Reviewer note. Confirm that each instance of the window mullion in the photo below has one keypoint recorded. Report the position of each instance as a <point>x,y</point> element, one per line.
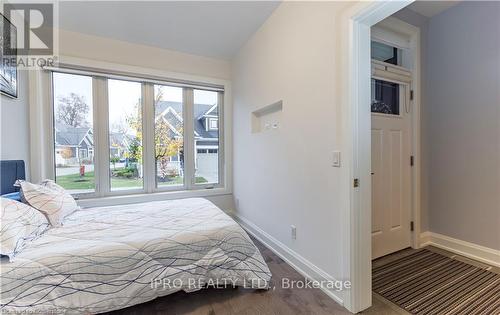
<point>148,123</point>
<point>101,135</point>
<point>189,165</point>
<point>221,147</point>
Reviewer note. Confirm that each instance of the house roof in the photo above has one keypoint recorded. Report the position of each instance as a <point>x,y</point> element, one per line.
<point>200,111</point>
<point>71,136</point>
<point>120,139</point>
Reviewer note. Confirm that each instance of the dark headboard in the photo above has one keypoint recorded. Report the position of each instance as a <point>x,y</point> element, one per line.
<point>10,171</point>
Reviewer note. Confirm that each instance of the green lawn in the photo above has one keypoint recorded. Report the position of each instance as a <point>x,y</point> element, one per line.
<point>75,182</point>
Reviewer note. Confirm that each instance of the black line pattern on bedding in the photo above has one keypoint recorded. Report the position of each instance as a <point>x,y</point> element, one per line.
<point>109,258</point>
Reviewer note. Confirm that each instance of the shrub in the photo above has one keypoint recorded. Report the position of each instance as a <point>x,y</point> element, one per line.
<point>128,172</point>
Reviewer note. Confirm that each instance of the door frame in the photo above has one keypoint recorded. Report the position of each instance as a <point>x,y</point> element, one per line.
<point>357,131</point>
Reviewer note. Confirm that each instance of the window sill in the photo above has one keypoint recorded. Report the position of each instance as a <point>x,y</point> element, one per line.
<point>156,196</point>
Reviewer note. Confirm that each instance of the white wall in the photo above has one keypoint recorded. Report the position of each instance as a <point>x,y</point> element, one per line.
<point>73,44</point>
<point>464,102</point>
<point>285,177</point>
<point>14,128</point>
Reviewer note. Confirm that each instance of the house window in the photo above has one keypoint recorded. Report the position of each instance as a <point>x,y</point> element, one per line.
<point>206,103</point>
<point>82,153</point>
<point>386,53</point>
<point>125,135</point>
<point>385,97</point>
<point>213,124</point>
<point>169,135</point>
<point>135,131</point>
<point>73,132</point>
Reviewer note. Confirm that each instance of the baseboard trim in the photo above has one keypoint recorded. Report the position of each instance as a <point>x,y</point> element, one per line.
<point>292,258</point>
<point>480,253</point>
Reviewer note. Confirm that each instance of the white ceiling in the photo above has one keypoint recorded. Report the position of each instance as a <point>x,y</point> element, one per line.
<point>212,29</point>
<point>431,8</point>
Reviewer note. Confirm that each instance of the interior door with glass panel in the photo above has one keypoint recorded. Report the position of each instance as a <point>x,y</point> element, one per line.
<point>391,173</point>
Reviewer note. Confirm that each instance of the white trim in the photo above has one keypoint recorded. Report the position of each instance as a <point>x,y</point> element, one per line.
<point>146,197</point>
<point>211,110</point>
<point>292,258</point>
<point>170,109</point>
<point>170,126</point>
<point>148,145</point>
<point>480,253</point>
<point>381,35</point>
<point>425,238</point>
<point>132,77</point>
<point>111,67</point>
<point>101,138</point>
<point>41,117</point>
<point>356,130</point>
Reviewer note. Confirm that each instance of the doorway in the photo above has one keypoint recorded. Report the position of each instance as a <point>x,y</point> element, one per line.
<point>359,131</point>
<point>391,137</point>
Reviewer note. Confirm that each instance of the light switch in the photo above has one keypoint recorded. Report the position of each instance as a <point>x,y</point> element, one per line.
<point>336,159</point>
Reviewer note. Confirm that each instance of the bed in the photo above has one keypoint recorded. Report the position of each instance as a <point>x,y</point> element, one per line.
<point>108,258</point>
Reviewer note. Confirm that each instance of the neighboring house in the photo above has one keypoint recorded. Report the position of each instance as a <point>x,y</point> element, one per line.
<point>74,145</point>
<point>119,144</point>
<point>206,135</point>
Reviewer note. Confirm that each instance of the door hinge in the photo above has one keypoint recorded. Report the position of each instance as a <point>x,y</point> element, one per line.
<point>412,160</point>
<point>356,182</point>
<point>411,95</point>
<point>411,226</point>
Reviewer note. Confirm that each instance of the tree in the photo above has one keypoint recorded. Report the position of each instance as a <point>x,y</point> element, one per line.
<point>66,153</point>
<point>135,150</point>
<point>72,110</point>
<point>167,143</point>
<point>135,123</point>
<point>114,160</point>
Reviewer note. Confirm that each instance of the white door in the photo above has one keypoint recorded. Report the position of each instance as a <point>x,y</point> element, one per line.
<point>391,169</point>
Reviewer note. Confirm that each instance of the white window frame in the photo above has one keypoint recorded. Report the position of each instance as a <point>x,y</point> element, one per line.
<point>41,81</point>
<point>211,122</point>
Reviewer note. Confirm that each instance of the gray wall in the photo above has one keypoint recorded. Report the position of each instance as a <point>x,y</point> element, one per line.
<point>14,130</point>
<point>463,97</point>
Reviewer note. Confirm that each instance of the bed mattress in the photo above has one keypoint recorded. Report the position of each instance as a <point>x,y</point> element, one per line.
<point>108,258</point>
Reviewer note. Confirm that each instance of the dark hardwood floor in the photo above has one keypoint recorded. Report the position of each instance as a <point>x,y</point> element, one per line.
<point>245,301</point>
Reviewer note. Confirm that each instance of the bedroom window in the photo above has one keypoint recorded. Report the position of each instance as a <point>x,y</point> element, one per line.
<point>125,135</point>
<point>73,132</point>
<point>119,135</point>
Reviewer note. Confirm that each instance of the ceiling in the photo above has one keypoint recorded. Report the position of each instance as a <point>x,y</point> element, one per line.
<point>212,29</point>
<point>431,8</point>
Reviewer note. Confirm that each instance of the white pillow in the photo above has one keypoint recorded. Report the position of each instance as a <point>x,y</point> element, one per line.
<point>49,183</point>
<point>20,224</point>
<point>50,199</point>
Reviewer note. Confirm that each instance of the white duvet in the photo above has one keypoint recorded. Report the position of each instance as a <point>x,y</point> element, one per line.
<point>109,258</point>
